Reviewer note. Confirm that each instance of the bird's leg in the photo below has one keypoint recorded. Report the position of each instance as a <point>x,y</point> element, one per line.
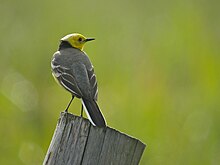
<point>81,111</point>
<point>66,110</point>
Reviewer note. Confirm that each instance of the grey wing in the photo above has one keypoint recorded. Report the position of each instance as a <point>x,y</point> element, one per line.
<point>86,80</point>
<point>93,83</point>
<point>66,78</point>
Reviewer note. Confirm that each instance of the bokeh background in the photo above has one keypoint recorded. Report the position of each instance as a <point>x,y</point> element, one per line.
<point>157,64</point>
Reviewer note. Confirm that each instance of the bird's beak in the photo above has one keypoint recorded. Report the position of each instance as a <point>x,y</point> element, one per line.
<point>89,39</point>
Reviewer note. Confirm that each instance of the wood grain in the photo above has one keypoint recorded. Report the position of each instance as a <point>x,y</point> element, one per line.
<point>77,142</point>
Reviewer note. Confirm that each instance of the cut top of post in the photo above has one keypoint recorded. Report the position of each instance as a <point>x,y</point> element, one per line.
<point>76,141</point>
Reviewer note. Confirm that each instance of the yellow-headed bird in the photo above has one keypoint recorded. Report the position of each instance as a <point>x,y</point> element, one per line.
<point>74,71</point>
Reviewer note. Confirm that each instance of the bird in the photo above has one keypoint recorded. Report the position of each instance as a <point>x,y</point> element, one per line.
<point>73,70</point>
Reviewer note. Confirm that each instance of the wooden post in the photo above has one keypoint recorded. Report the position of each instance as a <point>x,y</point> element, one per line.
<point>77,142</point>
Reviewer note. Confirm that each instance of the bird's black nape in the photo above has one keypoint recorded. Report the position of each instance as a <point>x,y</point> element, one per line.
<point>64,44</point>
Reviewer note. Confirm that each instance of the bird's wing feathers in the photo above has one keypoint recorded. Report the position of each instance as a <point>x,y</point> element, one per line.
<point>77,79</point>
<point>65,77</point>
<point>93,83</point>
<point>86,80</point>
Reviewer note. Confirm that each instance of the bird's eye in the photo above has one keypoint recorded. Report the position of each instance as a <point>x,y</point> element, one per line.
<point>80,39</point>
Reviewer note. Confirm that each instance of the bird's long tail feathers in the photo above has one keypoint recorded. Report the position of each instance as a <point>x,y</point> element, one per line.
<point>93,113</point>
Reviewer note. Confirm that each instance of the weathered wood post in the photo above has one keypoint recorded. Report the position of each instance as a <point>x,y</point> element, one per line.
<point>77,142</point>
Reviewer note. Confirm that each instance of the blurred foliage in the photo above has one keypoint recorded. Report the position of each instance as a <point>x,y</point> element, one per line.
<point>157,63</point>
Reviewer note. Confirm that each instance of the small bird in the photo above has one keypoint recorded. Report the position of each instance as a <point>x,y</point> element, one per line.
<point>73,70</point>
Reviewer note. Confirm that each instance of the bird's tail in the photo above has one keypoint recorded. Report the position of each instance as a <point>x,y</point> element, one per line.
<point>93,112</point>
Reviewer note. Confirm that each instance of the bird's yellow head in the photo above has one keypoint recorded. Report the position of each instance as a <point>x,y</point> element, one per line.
<point>76,40</point>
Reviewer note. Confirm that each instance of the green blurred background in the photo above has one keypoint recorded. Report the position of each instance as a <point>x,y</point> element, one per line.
<point>157,64</point>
